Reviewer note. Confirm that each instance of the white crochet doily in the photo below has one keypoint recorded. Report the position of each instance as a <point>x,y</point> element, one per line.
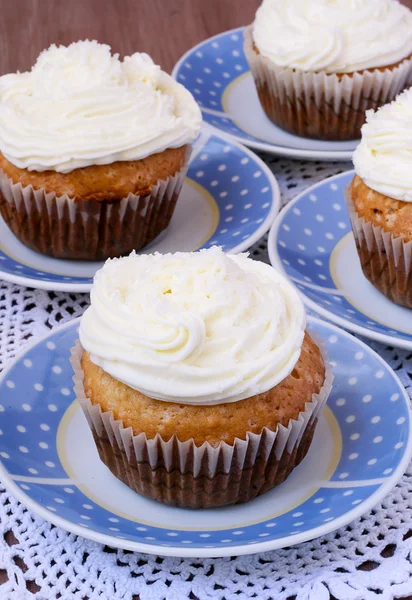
<point>369,559</point>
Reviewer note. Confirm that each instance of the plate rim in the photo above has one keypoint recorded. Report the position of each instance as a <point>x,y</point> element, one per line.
<point>215,552</point>
<point>276,263</point>
<point>263,228</point>
<point>276,150</point>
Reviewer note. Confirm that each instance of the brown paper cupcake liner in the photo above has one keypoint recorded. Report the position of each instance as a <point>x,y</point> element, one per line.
<point>386,259</point>
<point>189,476</point>
<point>321,105</point>
<point>87,229</point>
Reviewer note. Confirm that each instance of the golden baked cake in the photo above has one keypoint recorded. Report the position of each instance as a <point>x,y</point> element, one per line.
<point>393,216</point>
<point>197,376</point>
<point>380,199</point>
<point>212,424</point>
<point>102,182</point>
<point>93,151</point>
<point>318,65</point>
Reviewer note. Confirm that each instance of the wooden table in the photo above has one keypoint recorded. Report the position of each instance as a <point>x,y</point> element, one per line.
<point>165,29</point>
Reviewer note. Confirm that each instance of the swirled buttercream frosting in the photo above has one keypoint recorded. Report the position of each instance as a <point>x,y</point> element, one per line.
<point>383,158</point>
<point>193,328</point>
<point>80,105</point>
<point>336,36</point>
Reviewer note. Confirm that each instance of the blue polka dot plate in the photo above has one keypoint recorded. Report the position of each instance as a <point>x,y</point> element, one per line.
<point>311,241</point>
<point>217,73</point>
<point>48,460</point>
<point>229,198</point>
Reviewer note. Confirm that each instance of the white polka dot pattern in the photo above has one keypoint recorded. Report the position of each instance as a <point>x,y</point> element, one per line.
<point>323,225</point>
<point>364,459</point>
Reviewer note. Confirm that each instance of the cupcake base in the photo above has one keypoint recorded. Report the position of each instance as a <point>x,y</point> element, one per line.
<point>320,105</point>
<point>175,488</point>
<point>63,227</point>
<point>189,476</point>
<point>386,260</point>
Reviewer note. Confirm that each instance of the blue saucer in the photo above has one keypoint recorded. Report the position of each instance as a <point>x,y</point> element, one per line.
<point>217,73</point>
<point>312,242</point>
<point>361,447</point>
<point>230,198</point>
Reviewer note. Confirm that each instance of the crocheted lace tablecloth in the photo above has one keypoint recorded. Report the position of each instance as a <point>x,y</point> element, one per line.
<point>369,559</point>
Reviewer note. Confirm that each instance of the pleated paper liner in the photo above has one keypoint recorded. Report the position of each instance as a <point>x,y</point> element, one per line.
<point>320,105</point>
<point>386,259</point>
<point>189,476</point>
<point>62,227</point>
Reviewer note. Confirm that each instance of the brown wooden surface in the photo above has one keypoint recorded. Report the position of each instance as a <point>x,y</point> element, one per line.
<point>165,29</point>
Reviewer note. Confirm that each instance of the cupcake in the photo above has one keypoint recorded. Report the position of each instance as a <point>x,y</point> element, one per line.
<point>318,65</point>
<point>380,199</point>
<point>93,151</point>
<point>197,377</point>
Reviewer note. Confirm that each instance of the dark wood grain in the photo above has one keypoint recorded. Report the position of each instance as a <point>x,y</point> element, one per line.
<point>165,29</point>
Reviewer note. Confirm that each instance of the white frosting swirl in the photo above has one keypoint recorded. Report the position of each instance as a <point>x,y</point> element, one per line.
<point>336,36</point>
<point>81,106</point>
<point>383,159</point>
<point>194,328</point>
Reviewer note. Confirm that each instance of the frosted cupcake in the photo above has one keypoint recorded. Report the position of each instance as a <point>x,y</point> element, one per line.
<point>318,65</point>
<point>93,151</point>
<point>197,377</point>
<point>380,199</point>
